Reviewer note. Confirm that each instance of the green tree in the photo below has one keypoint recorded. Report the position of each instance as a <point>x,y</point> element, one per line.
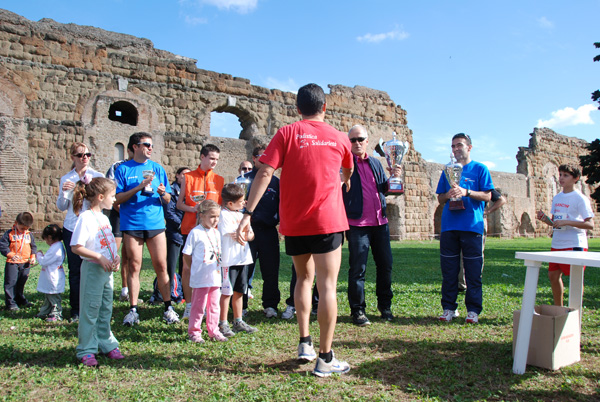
<point>591,163</point>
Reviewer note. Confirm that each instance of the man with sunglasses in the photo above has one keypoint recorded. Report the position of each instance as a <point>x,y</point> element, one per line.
<point>366,212</point>
<point>265,246</point>
<point>143,221</point>
<point>462,231</point>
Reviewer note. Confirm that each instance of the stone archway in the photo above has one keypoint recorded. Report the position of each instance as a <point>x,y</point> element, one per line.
<point>14,154</point>
<point>105,133</point>
<point>526,228</point>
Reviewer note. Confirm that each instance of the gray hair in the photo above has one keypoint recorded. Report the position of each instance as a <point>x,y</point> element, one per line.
<point>361,128</point>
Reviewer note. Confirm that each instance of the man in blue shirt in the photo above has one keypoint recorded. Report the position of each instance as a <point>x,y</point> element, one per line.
<point>142,192</point>
<point>462,230</point>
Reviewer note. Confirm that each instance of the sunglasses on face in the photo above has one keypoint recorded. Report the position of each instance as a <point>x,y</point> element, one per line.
<point>146,144</point>
<point>359,139</point>
<point>246,169</point>
<point>81,155</point>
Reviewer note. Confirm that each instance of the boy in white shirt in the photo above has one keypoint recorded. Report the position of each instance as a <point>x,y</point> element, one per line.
<point>235,259</point>
<point>571,217</point>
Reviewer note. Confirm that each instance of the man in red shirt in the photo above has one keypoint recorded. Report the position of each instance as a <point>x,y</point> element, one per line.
<point>310,153</point>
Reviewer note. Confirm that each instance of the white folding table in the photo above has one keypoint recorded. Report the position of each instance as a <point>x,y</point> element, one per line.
<point>533,261</point>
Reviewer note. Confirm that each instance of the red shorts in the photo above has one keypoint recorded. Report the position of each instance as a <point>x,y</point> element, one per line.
<point>565,268</point>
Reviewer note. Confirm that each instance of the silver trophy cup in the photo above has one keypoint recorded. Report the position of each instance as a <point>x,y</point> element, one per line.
<point>453,172</point>
<point>148,190</point>
<point>244,183</point>
<point>394,151</point>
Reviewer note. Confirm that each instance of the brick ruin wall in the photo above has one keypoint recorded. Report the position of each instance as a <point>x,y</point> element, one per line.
<point>59,81</point>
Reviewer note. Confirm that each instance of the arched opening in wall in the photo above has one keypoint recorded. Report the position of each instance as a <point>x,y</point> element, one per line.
<point>119,152</point>
<point>526,228</point>
<point>225,124</point>
<point>437,220</point>
<point>123,112</point>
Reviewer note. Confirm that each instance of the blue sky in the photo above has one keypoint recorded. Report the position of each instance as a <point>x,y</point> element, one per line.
<point>494,70</point>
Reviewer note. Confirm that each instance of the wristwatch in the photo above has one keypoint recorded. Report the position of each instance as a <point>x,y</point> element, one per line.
<point>468,192</point>
<point>247,212</point>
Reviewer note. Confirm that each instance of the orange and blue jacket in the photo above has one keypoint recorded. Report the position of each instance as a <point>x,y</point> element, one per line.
<point>17,247</point>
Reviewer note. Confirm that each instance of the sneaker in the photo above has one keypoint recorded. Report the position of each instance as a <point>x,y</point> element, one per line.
<point>472,318</point>
<point>242,326</point>
<point>323,369</point>
<point>225,330</point>
<point>131,318</point>
<point>170,316</point>
<point>448,315</point>
<point>13,308</point>
<point>51,318</point>
<point>270,312</point>
<point>124,297</point>
<point>89,360</point>
<point>387,315</point>
<point>187,311</point>
<point>288,313</point>
<point>360,319</point>
<point>250,295</point>
<point>218,337</point>
<point>306,352</point>
<point>115,354</point>
<point>196,338</point>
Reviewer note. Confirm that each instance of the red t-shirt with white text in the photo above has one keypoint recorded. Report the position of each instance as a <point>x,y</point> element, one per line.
<point>310,154</point>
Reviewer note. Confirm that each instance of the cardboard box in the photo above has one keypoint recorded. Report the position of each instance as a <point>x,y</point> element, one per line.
<point>555,337</point>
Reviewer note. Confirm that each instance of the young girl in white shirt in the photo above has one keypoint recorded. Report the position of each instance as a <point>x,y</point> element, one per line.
<point>94,242</point>
<point>52,275</point>
<point>202,252</point>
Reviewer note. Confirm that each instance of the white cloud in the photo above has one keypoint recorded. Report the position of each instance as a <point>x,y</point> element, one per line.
<point>195,20</point>
<point>241,6</point>
<point>569,117</point>
<point>544,22</point>
<point>396,34</point>
<point>287,86</point>
<point>490,165</point>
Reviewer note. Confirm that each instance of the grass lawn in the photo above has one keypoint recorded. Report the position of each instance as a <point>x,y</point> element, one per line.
<point>415,357</point>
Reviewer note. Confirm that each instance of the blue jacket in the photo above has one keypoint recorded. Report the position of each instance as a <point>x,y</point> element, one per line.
<point>353,200</point>
<point>173,216</point>
<point>266,212</point>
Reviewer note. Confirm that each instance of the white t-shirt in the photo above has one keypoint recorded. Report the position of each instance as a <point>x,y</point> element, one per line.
<point>52,275</point>
<point>93,231</point>
<point>233,252</point>
<point>204,245</point>
<point>572,206</point>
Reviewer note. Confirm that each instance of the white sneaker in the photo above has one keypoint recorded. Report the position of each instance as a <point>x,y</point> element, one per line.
<point>131,319</point>
<point>187,311</point>
<point>170,316</point>
<point>270,312</point>
<point>306,352</point>
<point>472,318</point>
<point>448,315</point>
<point>250,295</point>
<point>288,313</point>
<point>124,297</point>
<point>323,369</point>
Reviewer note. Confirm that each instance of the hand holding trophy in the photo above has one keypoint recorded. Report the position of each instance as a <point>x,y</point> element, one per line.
<point>453,172</point>
<point>393,151</point>
<point>148,175</point>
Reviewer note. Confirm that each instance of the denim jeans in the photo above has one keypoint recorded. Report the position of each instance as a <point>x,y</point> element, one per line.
<point>452,242</point>
<point>360,238</point>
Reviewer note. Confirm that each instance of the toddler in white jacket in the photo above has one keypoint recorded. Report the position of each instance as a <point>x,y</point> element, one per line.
<point>52,276</point>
